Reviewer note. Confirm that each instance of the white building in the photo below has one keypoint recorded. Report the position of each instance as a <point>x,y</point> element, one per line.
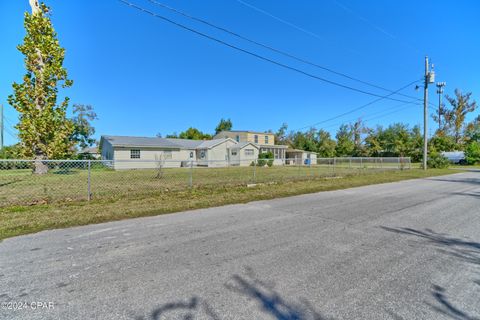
<point>150,152</point>
<point>264,140</point>
<point>300,157</point>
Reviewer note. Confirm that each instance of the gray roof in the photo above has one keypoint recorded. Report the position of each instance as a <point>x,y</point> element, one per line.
<point>240,145</point>
<point>249,131</point>
<point>90,150</point>
<point>207,144</point>
<point>154,142</point>
<point>125,141</point>
<point>185,143</point>
<point>299,150</point>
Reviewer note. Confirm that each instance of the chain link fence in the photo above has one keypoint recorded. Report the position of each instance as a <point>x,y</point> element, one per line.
<point>76,180</point>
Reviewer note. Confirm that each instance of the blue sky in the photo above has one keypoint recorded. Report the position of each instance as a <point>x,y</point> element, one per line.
<point>144,76</point>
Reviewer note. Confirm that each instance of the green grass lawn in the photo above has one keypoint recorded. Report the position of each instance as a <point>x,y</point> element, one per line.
<point>21,187</point>
<point>136,193</point>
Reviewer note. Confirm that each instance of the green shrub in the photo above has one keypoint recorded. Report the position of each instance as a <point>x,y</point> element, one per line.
<point>472,152</point>
<point>265,158</point>
<point>437,161</point>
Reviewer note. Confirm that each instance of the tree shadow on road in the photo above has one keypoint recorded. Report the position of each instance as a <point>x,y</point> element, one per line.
<point>445,307</point>
<point>475,194</point>
<point>469,181</point>
<point>183,309</point>
<point>463,249</point>
<point>466,250</point>
<point>270,302</point>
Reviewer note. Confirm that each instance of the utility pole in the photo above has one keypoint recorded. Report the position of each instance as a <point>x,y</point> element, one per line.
<point>429,78</point>
<point>440,86</point>
<point>1,126</point>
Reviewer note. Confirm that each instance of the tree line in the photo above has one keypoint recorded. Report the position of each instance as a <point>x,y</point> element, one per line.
<point>398,139</point>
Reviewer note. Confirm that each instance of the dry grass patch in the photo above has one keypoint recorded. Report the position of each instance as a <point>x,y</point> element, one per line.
<point>18,220</point>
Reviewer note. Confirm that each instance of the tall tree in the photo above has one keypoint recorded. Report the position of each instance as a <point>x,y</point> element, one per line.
<point>44,129</point>
<point>83,131</point>
<point>224,125</point>
<point>374,142</point>
<point>442,116</point>
<point>326,145</point>
<point>281,136</point>
<point>472,131</point>
<point>304,140</point>
<point>345,144</point>
<point>461,105</point>
<point>359,129</point>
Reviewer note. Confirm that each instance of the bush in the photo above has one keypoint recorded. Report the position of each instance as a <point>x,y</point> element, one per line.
<point>472,152</point>
<point>437,161</point>
<point>265,158</point>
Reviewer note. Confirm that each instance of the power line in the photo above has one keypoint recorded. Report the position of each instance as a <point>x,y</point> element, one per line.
<point>11,133</point>
<point>380,114</point>
<point>373,25</point>
<point>313,34</point>
<point>7,130</point>
<point>8,121</point>
<point>284,53</point>
<point>361,107</point>
<point>257,55</point>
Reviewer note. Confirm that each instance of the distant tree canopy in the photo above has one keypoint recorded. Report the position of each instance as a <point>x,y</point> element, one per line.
<point>460,106</point>
<point>83,131</point>
<point>396,140</point>
<point>190,133</point>
<point>11,152</point>
<point>223,125</point>
<point>196,134</point>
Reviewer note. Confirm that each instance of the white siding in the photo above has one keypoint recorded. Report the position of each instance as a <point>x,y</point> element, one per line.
<point>218,155</point>
<point>107,150</point>
<point>151,158</point>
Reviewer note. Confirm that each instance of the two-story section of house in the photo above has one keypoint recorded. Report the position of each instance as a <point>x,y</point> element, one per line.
<point>265,141</point>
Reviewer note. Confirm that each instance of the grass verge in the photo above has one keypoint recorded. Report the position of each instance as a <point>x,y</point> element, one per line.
<point>19,220</point>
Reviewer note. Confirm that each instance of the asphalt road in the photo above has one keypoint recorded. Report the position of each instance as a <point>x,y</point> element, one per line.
<point>407,250</point>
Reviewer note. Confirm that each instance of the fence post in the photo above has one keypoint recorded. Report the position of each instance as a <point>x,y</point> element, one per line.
<point>398,160</point>
<point>298,164</point>
<point>254,171</point>
<point>190,176</point>
<point>89,196</point>
<point>334,161</point>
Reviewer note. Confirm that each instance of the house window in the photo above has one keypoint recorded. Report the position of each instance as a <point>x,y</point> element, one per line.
<point>191,154</point>
<point>277,154</point>
<point>234,152</point>
<point>237,138</point>
<point>255,138</point>
<point>266,139</point>
<point>135,154</point>
<point>249,152</point>
<point>202,154</point>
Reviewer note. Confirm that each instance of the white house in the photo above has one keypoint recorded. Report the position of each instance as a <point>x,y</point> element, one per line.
<point>264,140</point>
<point>300,157</point>
<point>150,152</point>
<point>243,153</point>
